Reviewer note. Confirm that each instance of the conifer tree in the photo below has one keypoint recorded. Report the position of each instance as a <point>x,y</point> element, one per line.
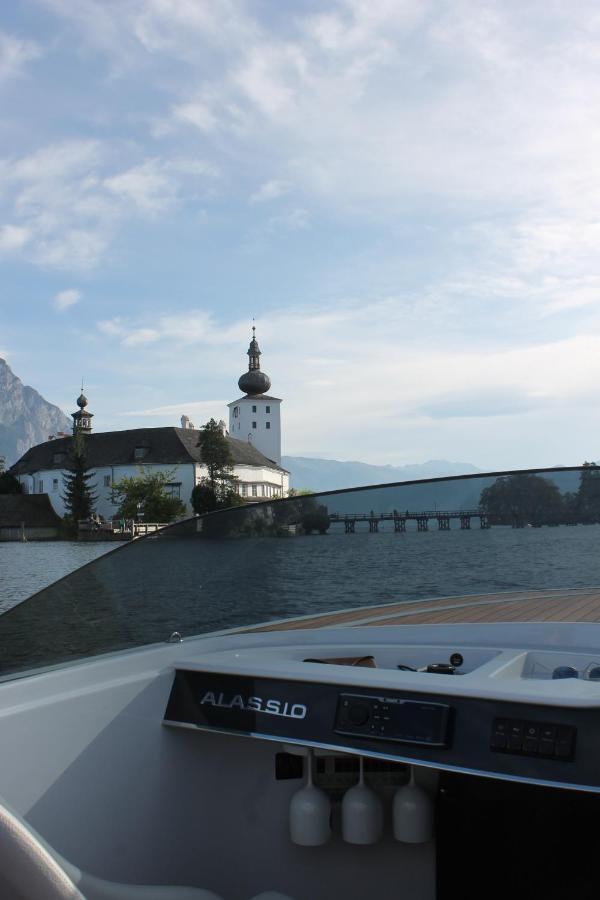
<point>218,489</point>
<point>78,496</point>
<point>8,483</point>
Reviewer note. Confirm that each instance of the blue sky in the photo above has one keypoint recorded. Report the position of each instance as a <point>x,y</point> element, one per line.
<point>405,195</point>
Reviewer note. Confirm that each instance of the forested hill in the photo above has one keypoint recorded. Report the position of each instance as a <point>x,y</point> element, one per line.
<point>332,474</point>
<point>25,417</point>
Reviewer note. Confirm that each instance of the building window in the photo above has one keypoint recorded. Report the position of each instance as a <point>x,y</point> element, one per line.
<point>254,424</point>
<point>254,490</point>
<point>244,490</point>
<point>268,410</point>
<point>268,425</point>
<point>58,458</point>
<point>173,490</point>
<point>55,484</point>
<point>107,481</point>
<point>236,412</point>
<point>141,452</point>
<point>41,487</point>
<point>253,409</point>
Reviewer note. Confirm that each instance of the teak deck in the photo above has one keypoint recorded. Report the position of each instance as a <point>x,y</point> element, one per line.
<point>556,605</point>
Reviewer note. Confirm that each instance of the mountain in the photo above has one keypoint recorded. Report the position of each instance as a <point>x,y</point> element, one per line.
<point>332,474</point>
<point>25,417</point>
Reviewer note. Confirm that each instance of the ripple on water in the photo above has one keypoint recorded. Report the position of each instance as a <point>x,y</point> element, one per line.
<point>27,568</point>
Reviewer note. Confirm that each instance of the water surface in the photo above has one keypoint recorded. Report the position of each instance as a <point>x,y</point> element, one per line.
<point>27,568</point>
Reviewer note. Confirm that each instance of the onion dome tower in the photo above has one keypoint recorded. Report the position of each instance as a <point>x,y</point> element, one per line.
<point>82,419</point>
<point>254,382</point>
<point>255,417</point>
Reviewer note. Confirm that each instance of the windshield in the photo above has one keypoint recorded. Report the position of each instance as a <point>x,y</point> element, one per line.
<point>309,555</point>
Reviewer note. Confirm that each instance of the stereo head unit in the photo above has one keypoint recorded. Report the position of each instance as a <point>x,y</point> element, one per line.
<point>393,719</point>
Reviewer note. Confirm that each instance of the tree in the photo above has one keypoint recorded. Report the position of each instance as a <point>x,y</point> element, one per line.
<point>8,483</point>
<point>78,497</point>
<point>217,489</point>
<point>523,499</point>
<point>586,501</point>
<point>315,517</point>
<point>146,494</point>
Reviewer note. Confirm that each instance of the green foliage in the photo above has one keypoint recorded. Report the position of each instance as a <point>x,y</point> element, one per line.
<point>204,499</point>
<point>216,456</point>
<point>315,517</point>
<point>586,502</point>
<point>523,499</point>
<point>146,493</point>
<point>217,490</point>
<point>78,497</point>
<point>8,483</point>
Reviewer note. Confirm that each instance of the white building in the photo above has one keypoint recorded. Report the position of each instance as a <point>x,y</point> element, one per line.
<point>255,417</point>
<point>112,455</point>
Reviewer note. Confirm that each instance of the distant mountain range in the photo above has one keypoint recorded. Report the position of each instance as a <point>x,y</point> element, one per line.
<point>25,417</point>
<point>307,473</point>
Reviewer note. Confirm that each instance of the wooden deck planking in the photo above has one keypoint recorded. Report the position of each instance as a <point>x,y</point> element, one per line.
<point>551,605</point>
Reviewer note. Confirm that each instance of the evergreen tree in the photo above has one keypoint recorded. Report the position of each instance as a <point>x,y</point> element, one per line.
<point>218,489</point>
<point>78,496</point>
<point>587,499</point>
<point>8,483</point>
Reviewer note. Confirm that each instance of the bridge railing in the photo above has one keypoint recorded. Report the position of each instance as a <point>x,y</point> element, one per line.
<point>409,514</point>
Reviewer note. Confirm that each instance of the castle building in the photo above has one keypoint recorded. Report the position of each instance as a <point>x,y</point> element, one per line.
<point>254,440</point>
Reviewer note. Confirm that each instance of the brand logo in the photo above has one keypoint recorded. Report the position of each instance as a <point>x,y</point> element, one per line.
<point>256,704</point>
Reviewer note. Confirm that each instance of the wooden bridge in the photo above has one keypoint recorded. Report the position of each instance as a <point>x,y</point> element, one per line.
<point>422,518</point>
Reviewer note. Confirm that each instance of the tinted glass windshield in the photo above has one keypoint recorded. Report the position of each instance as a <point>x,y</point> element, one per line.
<point>309,555</point>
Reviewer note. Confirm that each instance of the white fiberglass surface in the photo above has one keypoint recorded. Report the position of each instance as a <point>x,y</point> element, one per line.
<point>91,767</point>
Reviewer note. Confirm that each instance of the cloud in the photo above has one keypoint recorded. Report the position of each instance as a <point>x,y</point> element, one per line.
<point>15,53</point>
<point>66,202</point>
<point>198,408</point>
<point>480,404</point>
<point>146,186</point>
<point>65,299</point>
<point>294,219</point>
<point>369,106</point>
<point>270,190</point>
<point>13,238</point>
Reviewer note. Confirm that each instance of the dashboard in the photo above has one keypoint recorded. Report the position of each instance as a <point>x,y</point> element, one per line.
<point>506,715</point>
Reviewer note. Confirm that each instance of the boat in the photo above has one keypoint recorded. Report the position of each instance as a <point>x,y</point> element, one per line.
<point>315,698</point>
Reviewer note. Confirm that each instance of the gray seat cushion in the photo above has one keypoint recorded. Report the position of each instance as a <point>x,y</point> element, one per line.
<point>35,871</point>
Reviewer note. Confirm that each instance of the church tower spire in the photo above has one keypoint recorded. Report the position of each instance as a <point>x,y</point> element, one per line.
<point>82,419</point>
<point>255,417</point>
<point>254,382</point>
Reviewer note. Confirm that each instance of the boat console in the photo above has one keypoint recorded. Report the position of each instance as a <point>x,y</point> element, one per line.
<point>513,713</point>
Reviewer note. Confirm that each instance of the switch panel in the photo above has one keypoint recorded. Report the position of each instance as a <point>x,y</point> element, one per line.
<point>534,739</point>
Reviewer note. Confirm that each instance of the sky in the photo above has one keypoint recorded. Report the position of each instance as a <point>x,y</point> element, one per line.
<point>404,196</point>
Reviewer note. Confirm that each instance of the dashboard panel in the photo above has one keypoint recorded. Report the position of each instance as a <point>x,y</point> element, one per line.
<point>504,739</point>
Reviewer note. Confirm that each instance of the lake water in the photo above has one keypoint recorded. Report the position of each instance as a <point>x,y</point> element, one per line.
<point>27,568</point>
<point>145,590</point>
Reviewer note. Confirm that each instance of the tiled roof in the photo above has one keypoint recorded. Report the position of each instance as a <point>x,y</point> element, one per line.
<point>170,446</point>
<point>35,510</point>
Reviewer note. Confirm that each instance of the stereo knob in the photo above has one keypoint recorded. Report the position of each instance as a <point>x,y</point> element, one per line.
<point>359,713</point>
